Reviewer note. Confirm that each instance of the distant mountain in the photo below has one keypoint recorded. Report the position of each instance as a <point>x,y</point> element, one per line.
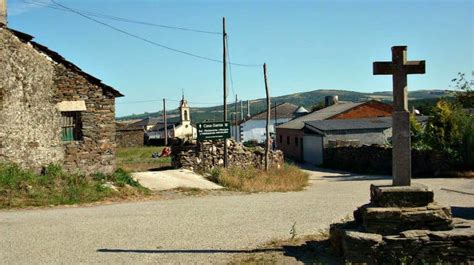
<point>305,99</point>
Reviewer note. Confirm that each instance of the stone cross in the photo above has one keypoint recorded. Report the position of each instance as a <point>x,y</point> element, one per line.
<point>399,68</point>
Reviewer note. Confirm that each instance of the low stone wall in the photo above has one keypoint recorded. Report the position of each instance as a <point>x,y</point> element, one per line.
<point>129,136</point>
<point>378,160</point>
<point>208,155</point>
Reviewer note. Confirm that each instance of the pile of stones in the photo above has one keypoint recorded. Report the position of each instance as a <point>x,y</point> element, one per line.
<point>403,224</point>
<point>210,154</point>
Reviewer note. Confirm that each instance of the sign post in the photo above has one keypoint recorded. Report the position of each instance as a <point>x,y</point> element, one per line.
<point>213,131</point>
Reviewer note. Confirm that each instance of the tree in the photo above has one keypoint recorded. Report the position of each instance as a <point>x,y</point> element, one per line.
<point>318,106</point>
<point>464,94</point>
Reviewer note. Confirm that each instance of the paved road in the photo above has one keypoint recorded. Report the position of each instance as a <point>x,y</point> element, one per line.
<point>190,230</point>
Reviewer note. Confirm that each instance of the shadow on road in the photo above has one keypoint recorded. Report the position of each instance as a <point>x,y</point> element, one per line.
<point>463,212</point>
<point>313,252</point>
<point>338,175</point>
<point>186,251</point>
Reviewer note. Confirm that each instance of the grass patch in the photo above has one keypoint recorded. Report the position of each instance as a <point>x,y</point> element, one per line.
<point>22,188</point>
<point>135,159</point>
<point>286,178</point>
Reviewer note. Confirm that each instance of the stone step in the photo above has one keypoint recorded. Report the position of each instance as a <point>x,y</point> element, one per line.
<point>401,196</point>
<point>393,220</point>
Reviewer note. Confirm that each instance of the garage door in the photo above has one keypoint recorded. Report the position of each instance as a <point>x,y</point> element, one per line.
<point>313,149</point>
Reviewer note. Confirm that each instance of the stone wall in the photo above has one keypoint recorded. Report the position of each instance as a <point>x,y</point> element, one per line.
<point>32,83</point>
<point>96,151</point>
<point>378,160</point>
<point>129,136</point>
<point>207,155</point>
<point>30,130</point>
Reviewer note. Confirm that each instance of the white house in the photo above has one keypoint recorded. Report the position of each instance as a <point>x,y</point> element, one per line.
<point>253,128</point>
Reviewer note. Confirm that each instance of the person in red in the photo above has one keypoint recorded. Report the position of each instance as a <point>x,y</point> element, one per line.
<point>165,152</point>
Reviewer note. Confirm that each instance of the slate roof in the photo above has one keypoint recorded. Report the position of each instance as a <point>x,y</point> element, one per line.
<point>61,60</point>
<point>324,126</point>
<point>375,124</point>
<point>160,126</point>
<point>146,122</point>
<point>283,111</point>
<point>321,114</point>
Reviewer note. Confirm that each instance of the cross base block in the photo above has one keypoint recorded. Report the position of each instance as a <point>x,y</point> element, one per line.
<point>416,195</point>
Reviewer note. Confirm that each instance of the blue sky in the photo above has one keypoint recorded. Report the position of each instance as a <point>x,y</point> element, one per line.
<point>307,45</point>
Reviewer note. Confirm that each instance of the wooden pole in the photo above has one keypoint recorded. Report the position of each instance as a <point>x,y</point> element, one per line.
<point>235,117</point>
<point>241,111</point>
<point>248,108</point>
<point>224,65</point>
<point>267,145</point>
<point>275,126</point>
<point>166,122</point>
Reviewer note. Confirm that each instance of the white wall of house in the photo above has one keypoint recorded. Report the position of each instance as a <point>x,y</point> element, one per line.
<point>313,149</point>
<point>255,129</point>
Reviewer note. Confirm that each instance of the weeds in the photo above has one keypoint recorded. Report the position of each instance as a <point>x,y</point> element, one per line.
<point>293,231</point>
<point>285,178</point>
<point>20,188</point>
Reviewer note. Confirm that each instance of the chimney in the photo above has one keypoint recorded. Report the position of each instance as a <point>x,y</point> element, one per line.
<point>3,12</point>
<point>330,100</point>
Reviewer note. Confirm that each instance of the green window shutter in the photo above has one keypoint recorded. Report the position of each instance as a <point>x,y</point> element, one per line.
<point>68,134</point>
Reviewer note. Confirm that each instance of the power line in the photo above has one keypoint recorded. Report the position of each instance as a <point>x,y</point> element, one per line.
<point>147,40</point>
<point>116,18</point>
<point>229,63</point>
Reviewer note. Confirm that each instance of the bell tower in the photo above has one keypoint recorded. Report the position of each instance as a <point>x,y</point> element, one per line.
<point>184,112</point>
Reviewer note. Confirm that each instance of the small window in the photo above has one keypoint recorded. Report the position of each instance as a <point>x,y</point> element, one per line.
<point>71,126</point>
<point>296,141</point>
<point>281,139</point>
<point>288,140</point>
<point>186,115</point>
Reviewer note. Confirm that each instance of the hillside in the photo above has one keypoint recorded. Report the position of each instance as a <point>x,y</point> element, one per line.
<point>306,99</point>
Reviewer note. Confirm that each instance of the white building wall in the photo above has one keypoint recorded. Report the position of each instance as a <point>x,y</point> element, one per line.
<point>255,129</point>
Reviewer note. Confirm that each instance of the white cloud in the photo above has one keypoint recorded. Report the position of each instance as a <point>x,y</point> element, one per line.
<point>22,6</point>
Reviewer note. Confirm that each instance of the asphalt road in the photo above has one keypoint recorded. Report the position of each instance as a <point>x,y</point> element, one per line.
<point>193,229</point>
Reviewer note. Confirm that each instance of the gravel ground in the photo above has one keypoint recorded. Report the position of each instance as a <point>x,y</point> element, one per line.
<point>193,229</point>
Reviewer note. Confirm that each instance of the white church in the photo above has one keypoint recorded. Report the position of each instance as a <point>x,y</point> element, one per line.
<point>183,130</point>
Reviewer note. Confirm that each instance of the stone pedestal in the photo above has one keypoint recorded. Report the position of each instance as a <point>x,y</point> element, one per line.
<point>403,224</point>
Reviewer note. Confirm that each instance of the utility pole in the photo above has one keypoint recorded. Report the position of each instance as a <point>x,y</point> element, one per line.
<point>275,126</point>
<point>224,61</point>
<point>166,122</point>
<point>267,145</point>
<point>248,108</point>
<point>241,111</point>
<point>236,117</point>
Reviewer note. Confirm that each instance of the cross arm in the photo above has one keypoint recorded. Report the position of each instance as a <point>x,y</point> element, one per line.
<point>415,67</point>
<point>383,68</point>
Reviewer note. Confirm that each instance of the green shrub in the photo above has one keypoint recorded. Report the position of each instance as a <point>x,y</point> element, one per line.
<point>54,186</point>
<point>122,178</point>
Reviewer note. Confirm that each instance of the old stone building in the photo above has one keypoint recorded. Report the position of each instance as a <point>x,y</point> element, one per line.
<point>51,112</point>
<point>128,135</point>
